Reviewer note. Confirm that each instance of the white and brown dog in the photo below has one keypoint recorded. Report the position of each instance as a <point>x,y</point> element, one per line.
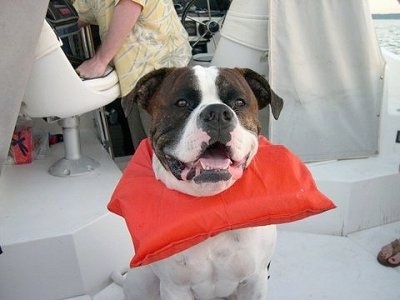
<point>204,133</point>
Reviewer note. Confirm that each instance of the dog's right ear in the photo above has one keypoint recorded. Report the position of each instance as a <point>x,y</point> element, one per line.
<point>145,89</point>
<point>148,85</point>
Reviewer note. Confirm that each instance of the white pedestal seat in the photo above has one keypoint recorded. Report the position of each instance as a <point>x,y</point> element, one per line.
<point>55,90</point>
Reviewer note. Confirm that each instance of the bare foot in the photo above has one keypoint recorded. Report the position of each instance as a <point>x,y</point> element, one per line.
<point>395,259</point>
<point>390,254</point>
<point>386,251</point>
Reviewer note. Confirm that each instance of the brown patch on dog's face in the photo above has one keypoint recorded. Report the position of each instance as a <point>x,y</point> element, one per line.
<point>177,90</point>
<point>173,99</point>
<point>235,92</point>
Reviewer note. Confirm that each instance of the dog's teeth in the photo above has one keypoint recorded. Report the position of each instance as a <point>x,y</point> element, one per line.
<point>205,166</point>
<point>214,163</point>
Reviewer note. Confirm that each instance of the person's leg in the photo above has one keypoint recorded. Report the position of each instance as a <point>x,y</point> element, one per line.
<point>120,134</point>
<point>139,124</point>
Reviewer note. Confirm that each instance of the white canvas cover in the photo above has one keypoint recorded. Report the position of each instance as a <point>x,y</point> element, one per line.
<point>244,37</point>
<point>326,64</point>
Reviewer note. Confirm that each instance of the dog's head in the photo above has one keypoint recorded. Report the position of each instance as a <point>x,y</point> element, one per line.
<point>204,128</point>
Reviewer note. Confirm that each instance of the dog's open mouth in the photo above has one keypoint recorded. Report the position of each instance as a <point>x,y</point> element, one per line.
<point>214,164</point>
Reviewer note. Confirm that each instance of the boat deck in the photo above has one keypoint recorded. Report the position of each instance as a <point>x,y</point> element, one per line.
<point>312,266</point>
<point>315,266</point>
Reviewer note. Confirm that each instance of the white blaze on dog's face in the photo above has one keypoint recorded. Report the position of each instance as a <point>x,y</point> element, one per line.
<point>205,126</point>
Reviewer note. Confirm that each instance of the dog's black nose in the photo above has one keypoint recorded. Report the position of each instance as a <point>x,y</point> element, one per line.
<point>217,119</point>
<point>217,115</point>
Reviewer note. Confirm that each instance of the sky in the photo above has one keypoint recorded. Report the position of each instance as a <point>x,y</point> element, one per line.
<point>384,6</point>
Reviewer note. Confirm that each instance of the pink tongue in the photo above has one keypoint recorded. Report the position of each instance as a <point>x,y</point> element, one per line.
<point>215,162</point>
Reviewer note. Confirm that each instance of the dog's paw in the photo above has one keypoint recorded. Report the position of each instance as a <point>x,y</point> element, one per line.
<point>119,276</point>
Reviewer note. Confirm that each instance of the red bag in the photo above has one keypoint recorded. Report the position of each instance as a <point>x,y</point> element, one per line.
<point>276,188</point>
<point>21,147</point>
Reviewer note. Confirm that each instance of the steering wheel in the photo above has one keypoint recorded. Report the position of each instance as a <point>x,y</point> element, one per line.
<point>203,19</point>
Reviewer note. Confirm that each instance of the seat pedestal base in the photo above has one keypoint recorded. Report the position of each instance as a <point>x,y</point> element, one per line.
<point>73,163</point>
<point>73,167</point>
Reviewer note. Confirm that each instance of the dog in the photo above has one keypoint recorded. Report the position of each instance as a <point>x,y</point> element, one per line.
<point>204,133</point>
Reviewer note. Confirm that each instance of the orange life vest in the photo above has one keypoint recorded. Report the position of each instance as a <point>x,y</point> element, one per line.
<point>275,188</point>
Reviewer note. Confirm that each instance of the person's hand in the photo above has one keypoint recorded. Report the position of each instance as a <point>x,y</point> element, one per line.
<point>91,68</point>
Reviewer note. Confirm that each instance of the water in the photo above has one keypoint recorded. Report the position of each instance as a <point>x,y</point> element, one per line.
<point>388,33</point>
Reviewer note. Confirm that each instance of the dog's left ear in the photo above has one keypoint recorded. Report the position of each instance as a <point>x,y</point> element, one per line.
<point>263,92</point>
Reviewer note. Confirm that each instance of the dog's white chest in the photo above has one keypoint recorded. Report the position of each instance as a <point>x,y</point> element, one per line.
<point>218,266</point>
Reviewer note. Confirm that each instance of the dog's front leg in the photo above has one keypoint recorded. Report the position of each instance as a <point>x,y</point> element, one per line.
<point>170,291</point>
<point>254,288</point>
<point>142,284</point>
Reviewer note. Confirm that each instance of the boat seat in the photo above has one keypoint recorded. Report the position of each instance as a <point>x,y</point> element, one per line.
<point>244,37</point>
<point>55,90</point>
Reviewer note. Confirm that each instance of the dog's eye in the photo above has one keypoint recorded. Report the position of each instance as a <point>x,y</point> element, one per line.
<point>181,103</point>
<point>239,102</point>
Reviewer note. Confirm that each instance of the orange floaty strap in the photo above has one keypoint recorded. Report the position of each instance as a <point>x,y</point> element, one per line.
<point>276,188</point>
